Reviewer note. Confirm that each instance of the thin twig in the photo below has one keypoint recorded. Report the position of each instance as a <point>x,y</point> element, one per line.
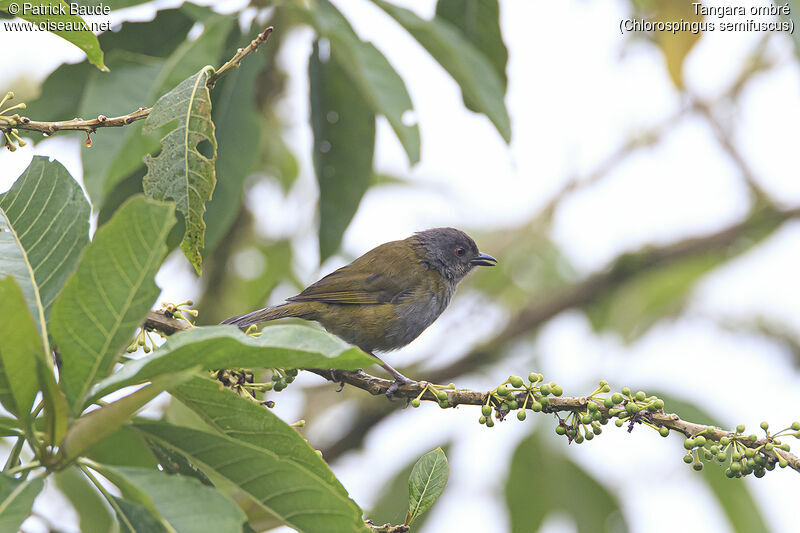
<point>90,126</point>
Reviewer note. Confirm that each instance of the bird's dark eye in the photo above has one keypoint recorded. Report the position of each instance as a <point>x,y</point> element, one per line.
<point>460,252</point>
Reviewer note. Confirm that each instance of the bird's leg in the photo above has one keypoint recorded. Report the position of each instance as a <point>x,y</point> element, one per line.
<point>399,379</point>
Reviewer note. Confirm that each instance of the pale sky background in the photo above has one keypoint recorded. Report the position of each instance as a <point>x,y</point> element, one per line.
<point>577,91</point>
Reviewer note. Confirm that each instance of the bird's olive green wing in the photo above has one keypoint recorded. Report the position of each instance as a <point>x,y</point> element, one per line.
<point>374,278</point>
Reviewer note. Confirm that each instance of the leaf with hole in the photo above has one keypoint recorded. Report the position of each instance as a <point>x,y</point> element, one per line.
<point>182,173</point>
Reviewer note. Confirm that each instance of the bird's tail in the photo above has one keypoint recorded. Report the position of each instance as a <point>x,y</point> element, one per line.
<point>285,310</point>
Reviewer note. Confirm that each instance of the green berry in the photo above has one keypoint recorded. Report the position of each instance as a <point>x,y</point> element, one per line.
<point>597,416</point>
<point>415,402</point>
<point>721,457</point>
<point>544,401</point>
<point>444,404</point>
<point>736,466</point>
<point>489,423</point>
<point>697,467</point>
<point>663,432</point>
<point>592,406</point>
<point>736,456</point>
<point>759,472</point>
<point>512,404</point>
<point>268,386</point>
<point>764,426</point>
<point>626,391</point>
<point>502,390</point>
<point>688,458</point>
<point>752,438</point>
<point>688,443</point>
<point>597,430</point>
<point>659,403</point>
<point>521,416</point>
<point>640,396</point>
<point>579,439</point>
<point>749,452</point>
<point>589,435</point>
<point>279,386</point>
<point>617,398</point>
<point>557,390</point>
<point>730,473</point>
<point>740,428</point>
<point>700,440</point>
<point>572,432</point>
<point>796,426</point>
<point>533,377</point>
<point>769,446</point>
<point>536,407</point>
<point>515,381</point>
<point>482,420</point>
<point>586,419</point>
<point>544,389</point>
<point>619,423</point>
<point>486,410</point>
<point>441,395</point>
<point>632,408</point>
<point>608,403</point>
<point>561,430</point>
<point>725,441</point>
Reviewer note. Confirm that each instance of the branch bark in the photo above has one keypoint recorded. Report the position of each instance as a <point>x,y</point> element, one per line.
<point>157,320</point>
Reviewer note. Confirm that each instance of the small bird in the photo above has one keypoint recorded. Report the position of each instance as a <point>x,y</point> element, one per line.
<point>384,299</point>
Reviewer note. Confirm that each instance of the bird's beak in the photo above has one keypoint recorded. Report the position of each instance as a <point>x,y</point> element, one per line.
<point>483,260</point>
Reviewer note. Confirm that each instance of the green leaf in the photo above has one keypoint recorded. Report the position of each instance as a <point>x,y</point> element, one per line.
<point>426,482</point>
<point>93,515</point>
<point>103,303</point>
<point>479,23</point>
<point>94,426</point>
<point>44,226</point>
<point>123,447</point>
<point>481,86</point>
<point>20,348</point>
<point>570,490</point>
<point>344,143</point>
<point>135,518</point>
<point>59,20</point>
<point>657,293</point>
<point>185,504</point>
<point>238,129</point>
<point>382,89</point>
<point>213,347</point>
<point>180,172</point>
<point>675,46</point>
<point>735,498</point>
<point>16,500</point>
<point>261,455</point>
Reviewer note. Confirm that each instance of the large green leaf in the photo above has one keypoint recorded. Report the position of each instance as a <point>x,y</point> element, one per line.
<point>16,500</point>
<point>569,489</point>
<point>426,482</point>
<point>382,89</point>
<point>261,455</point>
<point>56,16</point>
<point>289,346</point>
<point>741,509</point>
<point>44,226</point>
<point>93,515</point>
<point>237,122</point>
<point>344,143</point>
<point>20,348</point>
<point>479,23</point>
<point>180,172</point>
<point>483,89</point>
<point>103,303</point>
<point>185,504</point>
<point>123,447</point>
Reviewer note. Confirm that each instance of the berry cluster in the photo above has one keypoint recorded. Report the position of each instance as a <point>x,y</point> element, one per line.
<point>438,391</point>
<point>743,454</point>
<point>515,393</point>
<point>242,381</point>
